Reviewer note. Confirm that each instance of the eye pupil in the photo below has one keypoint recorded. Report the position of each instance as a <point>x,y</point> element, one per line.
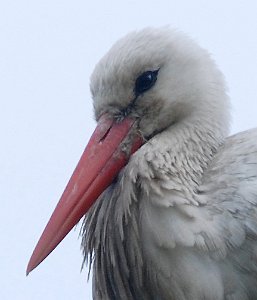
<point>145,81</point>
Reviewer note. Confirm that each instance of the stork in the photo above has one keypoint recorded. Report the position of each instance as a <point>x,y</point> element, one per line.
<point>170,201</point>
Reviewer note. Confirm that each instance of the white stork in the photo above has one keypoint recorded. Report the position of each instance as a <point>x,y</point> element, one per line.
<point>170,202</point>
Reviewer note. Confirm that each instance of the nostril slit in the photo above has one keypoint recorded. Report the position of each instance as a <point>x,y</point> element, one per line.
<point>105,135</point>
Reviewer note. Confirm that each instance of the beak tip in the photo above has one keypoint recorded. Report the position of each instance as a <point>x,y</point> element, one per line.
<point>30,267</point>
<point>28,271</point>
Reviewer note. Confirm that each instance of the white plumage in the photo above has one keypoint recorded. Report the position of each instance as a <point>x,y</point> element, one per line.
<point>180,221</point>
<point>176,220</point>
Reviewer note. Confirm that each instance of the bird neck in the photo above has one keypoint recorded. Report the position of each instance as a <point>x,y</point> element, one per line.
<point>176,158</point>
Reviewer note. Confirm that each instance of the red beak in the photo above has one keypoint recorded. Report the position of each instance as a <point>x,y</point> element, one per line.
<point>100,163</point>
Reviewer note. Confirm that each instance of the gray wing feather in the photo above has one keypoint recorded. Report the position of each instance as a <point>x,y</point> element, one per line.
<point>230,187</point>
<point>230,190</point>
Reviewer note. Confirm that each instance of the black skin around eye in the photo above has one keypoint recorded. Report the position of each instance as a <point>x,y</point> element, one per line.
<point>145,81</point>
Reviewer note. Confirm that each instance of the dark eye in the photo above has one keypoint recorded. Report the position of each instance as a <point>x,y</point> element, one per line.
<point>145,81</point>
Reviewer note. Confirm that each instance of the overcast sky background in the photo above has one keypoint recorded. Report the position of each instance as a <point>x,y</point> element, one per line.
<point>47,52</point>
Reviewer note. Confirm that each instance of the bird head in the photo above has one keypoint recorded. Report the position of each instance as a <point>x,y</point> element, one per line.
<point>148,82</point>
<point>160,77</point>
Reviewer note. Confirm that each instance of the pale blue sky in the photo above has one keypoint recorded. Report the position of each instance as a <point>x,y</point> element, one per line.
<point>47,52</point>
